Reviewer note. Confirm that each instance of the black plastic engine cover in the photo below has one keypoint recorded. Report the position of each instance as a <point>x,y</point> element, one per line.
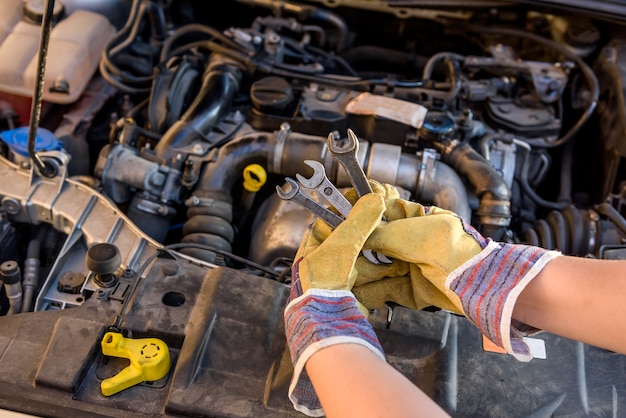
<point>224,329</point>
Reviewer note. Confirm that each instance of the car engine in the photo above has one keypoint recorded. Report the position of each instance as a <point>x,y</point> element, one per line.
<point>142,143</point>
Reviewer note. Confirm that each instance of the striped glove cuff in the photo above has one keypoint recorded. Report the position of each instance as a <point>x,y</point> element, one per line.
<point>488,286</point>
<point>320,318</point>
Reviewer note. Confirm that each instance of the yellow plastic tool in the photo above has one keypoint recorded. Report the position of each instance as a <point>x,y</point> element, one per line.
<point>149,361</point>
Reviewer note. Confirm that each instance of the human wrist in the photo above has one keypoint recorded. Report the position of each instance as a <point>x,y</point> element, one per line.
<point>534,297</point>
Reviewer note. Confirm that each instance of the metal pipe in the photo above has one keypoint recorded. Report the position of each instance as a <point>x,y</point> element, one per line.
<point>443,186</point>
<point>285,152</point>
<point>429,179</point>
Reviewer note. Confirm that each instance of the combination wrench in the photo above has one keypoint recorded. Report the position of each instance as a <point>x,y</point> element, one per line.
<point>320,182</point>
<point>347,155</point>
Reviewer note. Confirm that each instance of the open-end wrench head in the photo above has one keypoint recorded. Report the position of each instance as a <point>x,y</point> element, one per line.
<point>351,146</point>
<point>370,256</point>
<point>288,194</point>
<point>353,141</point>
<point>348,158</point>
<point>383,258</point>
<point>319,173</point>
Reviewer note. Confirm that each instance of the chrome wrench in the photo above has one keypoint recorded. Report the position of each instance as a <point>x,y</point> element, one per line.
<point>347,155</point>
<point>297,195</point>
<point>320,182</point>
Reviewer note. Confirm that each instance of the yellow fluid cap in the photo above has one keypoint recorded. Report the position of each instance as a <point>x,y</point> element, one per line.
<point>254,177</point>
<point>149,361</point>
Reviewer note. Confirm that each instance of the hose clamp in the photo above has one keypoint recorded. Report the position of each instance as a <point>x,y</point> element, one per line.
<point>279,147</point>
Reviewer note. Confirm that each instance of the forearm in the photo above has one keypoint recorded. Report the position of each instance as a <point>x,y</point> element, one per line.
<point>578,298</point>
<point>351,381</point>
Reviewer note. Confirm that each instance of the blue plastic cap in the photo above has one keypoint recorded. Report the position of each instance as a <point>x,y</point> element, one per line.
<point>17,140</point>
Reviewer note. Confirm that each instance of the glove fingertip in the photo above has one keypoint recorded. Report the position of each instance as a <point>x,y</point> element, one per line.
<point>370,203</point>
<point>364,217</point>
<point>367,212</point>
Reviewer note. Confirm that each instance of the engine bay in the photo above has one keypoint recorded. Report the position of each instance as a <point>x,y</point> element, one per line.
<point>144,201</point>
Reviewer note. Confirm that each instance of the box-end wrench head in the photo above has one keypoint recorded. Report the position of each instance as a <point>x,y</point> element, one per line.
<point>347,155</point>
<point>320,182</point>
<point>295,194</point>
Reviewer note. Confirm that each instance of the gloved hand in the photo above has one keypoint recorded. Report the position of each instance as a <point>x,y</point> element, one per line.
<point>322,310</point>
<point>440,260</point>
<point>398,285</point>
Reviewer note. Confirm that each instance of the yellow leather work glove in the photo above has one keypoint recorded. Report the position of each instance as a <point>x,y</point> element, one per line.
<point>406,283</point>
<point>322,310</point>
<point>450,265</point>
<point>403,284</point>
<point>326,257</point>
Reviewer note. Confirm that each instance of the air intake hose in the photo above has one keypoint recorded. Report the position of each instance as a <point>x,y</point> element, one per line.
<point>220,84</point>
<point>494,211</point>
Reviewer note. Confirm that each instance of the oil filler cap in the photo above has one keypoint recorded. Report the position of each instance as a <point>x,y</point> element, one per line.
<point>149,361</point>
<point>271,94</point>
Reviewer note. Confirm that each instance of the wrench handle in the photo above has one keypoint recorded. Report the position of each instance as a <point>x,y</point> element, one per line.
<point>322,212</point>
<point>359,180</point>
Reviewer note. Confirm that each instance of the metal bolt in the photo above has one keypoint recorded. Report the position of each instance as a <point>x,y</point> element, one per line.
<point>11,205</point>
<point>157,179</point>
